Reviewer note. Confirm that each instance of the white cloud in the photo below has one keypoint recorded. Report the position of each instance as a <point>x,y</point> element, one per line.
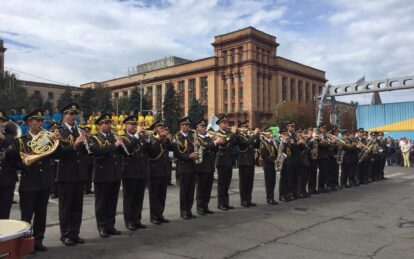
<point>79,41</point>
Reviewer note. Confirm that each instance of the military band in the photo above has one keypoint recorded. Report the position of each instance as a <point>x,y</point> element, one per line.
<point>310,162</point>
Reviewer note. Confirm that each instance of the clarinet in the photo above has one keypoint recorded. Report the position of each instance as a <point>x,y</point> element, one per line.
<point>122,144</point>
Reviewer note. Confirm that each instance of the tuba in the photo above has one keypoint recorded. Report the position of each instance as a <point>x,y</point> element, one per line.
<point>11,128</point>
<point>42,145</point>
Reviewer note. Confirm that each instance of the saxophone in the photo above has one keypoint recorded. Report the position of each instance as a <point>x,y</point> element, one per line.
<point>198,148</point>
<point>280,157</point>
<point>340,155</point>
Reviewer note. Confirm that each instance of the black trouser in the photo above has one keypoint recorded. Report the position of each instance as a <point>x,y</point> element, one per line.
<point>382,166</point>
<point>270,181</point>
<point>34,203</point>
<point>312,175</point>
<point>187,188</point>
<point>323,173</point>
<point>106,200</point>
<point>363,169</point>
<point>287,180</point>
<point>346,173</point>
<point>225,174</point>
<point>333,173</point>
<point>246,179</point>
<point>204,186</point>
<point>70,208</point>
<point>6,200</point>
<point>302,173</point>
<point>133,193</point>
<point>157,195</point>
<point>88,182</point>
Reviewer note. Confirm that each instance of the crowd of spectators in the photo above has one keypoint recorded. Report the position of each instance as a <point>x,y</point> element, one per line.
<point>400,152</point>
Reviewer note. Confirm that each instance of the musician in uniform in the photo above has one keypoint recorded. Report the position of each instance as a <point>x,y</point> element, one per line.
<point>293,175</point>
<point>383,155</point>
<point>224,163</point>
<point>87,160</point>
<point>349,160</point>
<point>158,172</point>
<point>313,162</point>
<point>185,154</point>
<point>285,184</point>
<point>334,150</point>
<point>323,160</point>
<point>9,164</point>
<point>205,169</point>
<point>107,153</point>
<point>269,152</point>
<point>70,177</point>
<point>134,172</point>
<point>246,162</point>
<point>35,182</point>
<point>303,165</point>
<point>360,166</point>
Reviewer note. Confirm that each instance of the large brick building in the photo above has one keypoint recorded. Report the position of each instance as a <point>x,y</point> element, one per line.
<point>245,78</point>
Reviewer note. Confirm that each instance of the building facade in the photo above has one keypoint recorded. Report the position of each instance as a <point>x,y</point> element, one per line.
<point>245,79</point>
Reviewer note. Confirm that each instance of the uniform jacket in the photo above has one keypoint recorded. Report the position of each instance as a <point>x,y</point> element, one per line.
<point>207,166</point>
<point>107,159</point>
<point>224,155</point>
<point>247,146</point>
<point>159,162</point>
<point>268,152</point>
<point>183,147</point>
<point>136,165</point>
<point>9,161</point>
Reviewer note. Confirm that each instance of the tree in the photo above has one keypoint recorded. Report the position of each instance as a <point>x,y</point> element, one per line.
<point>48,106</point>
<point>87,102</point>
<point>302,113</point>
<point>65,98</point>
<point>103,98</point>
<point>195,112</point>
<point>134,101</point>
<point>35,101</point>
<point>122,104</point>
<point>171,109</point>
<point>12,94</point>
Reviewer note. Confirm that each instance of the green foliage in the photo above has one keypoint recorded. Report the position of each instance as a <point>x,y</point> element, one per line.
<point>103,99</point>
<point>12,94</point>
<point>35,102</point>
<point>48,106</point>
<point>171,109</point>
<point>87,102</point>
<point>134,100</point>
<point>195,112</point>
<point>64,99</point>
<point>122,105</point>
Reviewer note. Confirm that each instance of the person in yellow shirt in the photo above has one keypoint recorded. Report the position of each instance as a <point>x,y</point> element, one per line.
<point>119,129</point>
<point>149,120</point>
<point>114,117</point>
<point>141,119</point>
<point>97,115</point>
<point>122,116</point>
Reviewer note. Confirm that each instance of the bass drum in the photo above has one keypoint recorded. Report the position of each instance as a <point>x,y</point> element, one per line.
<point>16,239</point>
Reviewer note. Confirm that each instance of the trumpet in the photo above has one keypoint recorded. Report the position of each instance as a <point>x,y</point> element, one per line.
<point>215,134</point>
<point>333,137</point>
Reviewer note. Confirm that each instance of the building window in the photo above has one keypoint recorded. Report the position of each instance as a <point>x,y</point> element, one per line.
<point>204,90</point>
<point>76,96</point>
<point>36,92</point>
<point>180,92</point>
<point>233,93</point>
<point>240,54</point>
<point>292,89</point>
<point>225,95</point>
<point>232,56</point>
<point>320,89</point>
<point>314,90</point>
<point>125,93</point>
<point>240,107</point>
<point>233,107</point>
<point>50,95</point>
<point>180,86</point>
<point>232,81</point>
<point>300,90</point>
<point>159,97</point>
<point>284,88</point>
<point>191,89</point>
<point>307,90</point>
<point>241,92</point>
<point>226,108</point>
<point>225,57</point>
<point>116,95</point>
<point>148,95</point>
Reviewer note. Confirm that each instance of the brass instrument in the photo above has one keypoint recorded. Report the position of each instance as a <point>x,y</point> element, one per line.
<point>280,157</point>
<point>42,145</point>
<point>215,134</point>
<point>333,137</point>
<point>85,141</point>
<point>314,150</point>
<point>367,150</point>
<point>340,155</point>
<point>7,127</point>
<point>198,149</point>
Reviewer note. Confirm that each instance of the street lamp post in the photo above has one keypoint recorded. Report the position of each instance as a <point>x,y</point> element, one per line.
<point>141,94</point>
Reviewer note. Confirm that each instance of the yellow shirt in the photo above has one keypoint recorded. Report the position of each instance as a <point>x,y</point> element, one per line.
<point>149,120</point>
<point>94,129</point>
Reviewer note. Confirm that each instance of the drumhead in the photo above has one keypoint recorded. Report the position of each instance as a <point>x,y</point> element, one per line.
<point>12,229</point>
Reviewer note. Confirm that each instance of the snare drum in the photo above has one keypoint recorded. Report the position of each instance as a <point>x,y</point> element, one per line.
<point>15,239</point>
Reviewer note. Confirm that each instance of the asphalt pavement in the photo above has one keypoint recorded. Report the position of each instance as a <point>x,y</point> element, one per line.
<point>369,221</point>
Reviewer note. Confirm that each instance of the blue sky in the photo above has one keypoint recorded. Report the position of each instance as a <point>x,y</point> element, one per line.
<point>77,41</point>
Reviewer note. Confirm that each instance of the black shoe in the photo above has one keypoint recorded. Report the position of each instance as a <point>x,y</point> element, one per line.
<point>208,211</point>
<point>301,196</point>
<point>140,225</point>
<point>185,215</point>
<point>79,240</point>
<point>244,204</point>
<point>252,204</point>
<point>163,220</point>
<point>103,233</point>
<point>114,232</point>
<point>131,227</point>
<point>229,207</point>
<point>191,215</point>
<point>155,221</point>
<point>384,178</point>
<point>222,207</point>
<point>40,248</point>
<point>69,242</point>
<point>284,199</point>
<point>201,212</point>
<point>272,202</point>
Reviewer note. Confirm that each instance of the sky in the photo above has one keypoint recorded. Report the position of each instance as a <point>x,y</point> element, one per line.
<point>79,41</point>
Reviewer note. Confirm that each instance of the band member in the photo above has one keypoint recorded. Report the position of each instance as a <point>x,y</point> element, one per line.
<point>333,178</point>
<point>184,151</point>
<point>350,158</point>
<point>9,164</point>
<point>224,163</point>
<point>364,164</point>
<point>285,184</point>
<point>88,160</point>
<point>70,177</point>
<point>158,172</point>
<point>269,152</point>
<point>303,166</point>
<point>134,173</point>
<point>323,160</point>
<point>205,169</point>
<point>293,167</point>
<point>313,161</point>
<point>383,155</point>
<point>35,182</point>
<point>246,162</point>
<point>106,149</point>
